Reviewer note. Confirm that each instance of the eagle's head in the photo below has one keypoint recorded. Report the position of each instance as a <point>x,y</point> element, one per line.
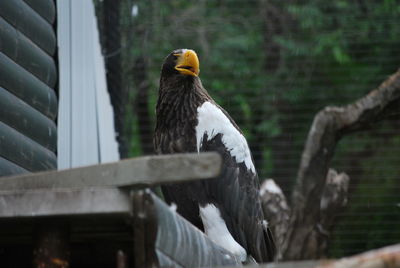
<point>181,62</point>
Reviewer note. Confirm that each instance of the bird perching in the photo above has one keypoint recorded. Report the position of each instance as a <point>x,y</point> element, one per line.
<point>226,208</point>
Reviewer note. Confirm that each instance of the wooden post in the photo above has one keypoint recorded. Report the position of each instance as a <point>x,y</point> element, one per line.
<point>51,245</point>
<point>122,259</point>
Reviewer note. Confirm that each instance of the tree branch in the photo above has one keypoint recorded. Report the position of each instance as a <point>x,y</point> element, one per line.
<point>275,206</point>
<point>387,257</point>
<point>301,239</point>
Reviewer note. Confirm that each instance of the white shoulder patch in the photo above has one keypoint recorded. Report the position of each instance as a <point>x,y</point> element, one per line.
<point>213,121</point>
<point>215,228</point>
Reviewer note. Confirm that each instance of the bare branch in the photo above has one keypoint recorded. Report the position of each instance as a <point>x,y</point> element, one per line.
<point>276,210</point>
<point>387,257</point>
<point>328,127</point>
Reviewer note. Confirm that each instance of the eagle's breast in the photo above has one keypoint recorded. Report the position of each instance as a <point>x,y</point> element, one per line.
<point>211,120</point>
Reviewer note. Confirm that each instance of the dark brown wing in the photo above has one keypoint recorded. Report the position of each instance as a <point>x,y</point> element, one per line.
<point>236,193</point>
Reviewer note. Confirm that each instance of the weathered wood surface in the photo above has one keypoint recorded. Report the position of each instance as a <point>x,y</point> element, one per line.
<point>137,172</point>
<point>161,237</point>
<point>169,240</point>
<point>387,257</point>
<point>289,264</point>
<point>302,239</point>
<point>64,202</point>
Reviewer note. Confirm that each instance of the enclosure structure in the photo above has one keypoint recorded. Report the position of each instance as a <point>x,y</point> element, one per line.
<point>28,87</point>
<point>93,215</point>
<point>273,65</point>
<point>278,91</point>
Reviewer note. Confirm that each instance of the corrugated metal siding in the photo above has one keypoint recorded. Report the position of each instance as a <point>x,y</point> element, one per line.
<point>28,77</point>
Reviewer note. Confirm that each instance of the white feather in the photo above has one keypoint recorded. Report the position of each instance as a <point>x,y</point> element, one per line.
<point>212,121</point>
<point>215,228</point>
<point>270,186</point>
<point>173,207</point>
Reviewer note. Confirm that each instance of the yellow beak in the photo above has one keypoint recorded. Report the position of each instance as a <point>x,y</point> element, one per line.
<point>188,63</point>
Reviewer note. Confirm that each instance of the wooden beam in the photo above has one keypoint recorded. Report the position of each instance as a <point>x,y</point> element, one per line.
<point>289,264</point>
<point>387,257</point>
<point>64,202</point>
<point>137,172</point>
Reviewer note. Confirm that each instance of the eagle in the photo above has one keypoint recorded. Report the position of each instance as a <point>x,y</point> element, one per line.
<point>227,208</point>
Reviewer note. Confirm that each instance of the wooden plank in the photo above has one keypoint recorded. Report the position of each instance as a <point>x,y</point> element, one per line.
<point>290,264</point>
<point>28,121</point>
<point>386,257</point>
<point>8,168</point>
<point>51,247</point>
<point>26,20</point>
<point>144,230</point>
<point>63,202</point>
<point>45,8</point>
<point>24,52</point>
<point>27,87</point>
<point>25,152</point>
<point>139,172</point>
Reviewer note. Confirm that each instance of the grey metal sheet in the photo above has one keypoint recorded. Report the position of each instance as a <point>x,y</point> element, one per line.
<point>139,172</point>
<point>166,261</point>
<point>25,152</point>
<point>27,87</point>
<point>26,120</point>
<point>45,8</point>
<point>177,242</point>
<point>26,20</point>
<point>24,52</point>
<point>8,168</point>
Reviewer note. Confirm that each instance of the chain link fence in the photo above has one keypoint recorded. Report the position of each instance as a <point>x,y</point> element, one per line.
<point>272,65</point>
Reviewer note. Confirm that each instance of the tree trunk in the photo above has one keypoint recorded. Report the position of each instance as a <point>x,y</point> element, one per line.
<point>319,194</point>
<point>51,245</point>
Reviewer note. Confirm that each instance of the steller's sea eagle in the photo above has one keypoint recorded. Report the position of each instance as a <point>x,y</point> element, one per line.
<point>226,208</point>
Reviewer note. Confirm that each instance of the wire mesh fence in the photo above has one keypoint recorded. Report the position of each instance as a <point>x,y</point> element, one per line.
<point>272,65</point>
